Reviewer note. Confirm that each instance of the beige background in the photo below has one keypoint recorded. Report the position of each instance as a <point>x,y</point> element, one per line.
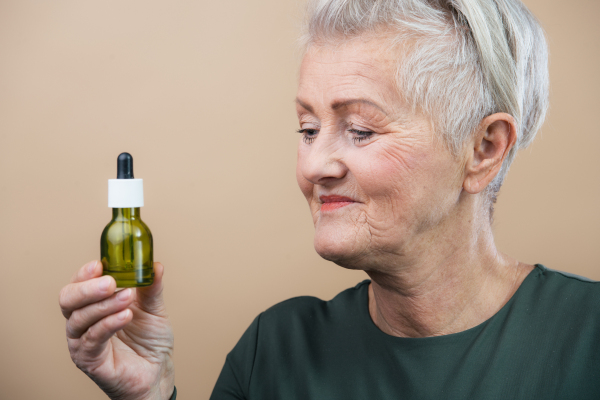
<point>201,93</point>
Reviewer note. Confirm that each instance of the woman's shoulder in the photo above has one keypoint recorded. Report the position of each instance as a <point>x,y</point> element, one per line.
<point>554,279</point>
<point>314,308</point>
<point>343,297</point>
<point>561,293</point>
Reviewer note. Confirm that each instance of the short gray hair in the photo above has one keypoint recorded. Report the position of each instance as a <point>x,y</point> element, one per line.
<point>470,59</point>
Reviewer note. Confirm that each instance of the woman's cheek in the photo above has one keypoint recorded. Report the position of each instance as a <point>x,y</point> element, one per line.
<point>305,185</point>
<point>385,169</point>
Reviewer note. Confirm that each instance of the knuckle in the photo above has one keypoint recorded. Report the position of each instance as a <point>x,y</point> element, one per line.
<point>64,304</point>
<point>62,298</point>
<point>88,341</point>
<point>75,317</point>
<point>103,306</point>
<point>104,325</point>
<point>73,345</point>
<point>92,336</point>
<point>69,331</point>
<point>73,324</point>
<point>84,290</point>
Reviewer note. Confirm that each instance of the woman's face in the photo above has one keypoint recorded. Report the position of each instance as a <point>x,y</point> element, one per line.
<point>378,183</point>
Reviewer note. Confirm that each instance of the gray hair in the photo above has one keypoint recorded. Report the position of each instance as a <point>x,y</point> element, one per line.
<point>469,59</point>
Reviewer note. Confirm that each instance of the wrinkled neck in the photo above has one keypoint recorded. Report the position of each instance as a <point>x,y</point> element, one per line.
<point>450,280</point>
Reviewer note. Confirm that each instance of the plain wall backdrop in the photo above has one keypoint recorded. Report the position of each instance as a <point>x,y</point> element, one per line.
<point>201,94</point>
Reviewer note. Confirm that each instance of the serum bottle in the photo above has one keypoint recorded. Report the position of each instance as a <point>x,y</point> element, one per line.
<point>126,242</point>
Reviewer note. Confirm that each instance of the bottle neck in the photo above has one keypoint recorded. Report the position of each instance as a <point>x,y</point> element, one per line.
<point>126,213</point>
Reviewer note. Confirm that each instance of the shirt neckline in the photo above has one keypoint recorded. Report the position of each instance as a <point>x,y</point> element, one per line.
<point>443,339</point>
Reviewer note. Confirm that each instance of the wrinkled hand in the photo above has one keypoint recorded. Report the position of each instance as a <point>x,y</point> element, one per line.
<point>123,340</point>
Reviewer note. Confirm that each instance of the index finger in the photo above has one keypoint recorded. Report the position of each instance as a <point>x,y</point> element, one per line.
<point>88,271</point>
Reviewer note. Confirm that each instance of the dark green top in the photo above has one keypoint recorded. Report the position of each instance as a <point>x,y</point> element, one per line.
<point>543,344</point>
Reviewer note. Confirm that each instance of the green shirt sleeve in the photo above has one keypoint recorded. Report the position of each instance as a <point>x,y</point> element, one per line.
<point>234,380</point>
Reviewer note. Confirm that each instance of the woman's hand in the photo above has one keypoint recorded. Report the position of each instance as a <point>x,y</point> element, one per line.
<point>123,340</point>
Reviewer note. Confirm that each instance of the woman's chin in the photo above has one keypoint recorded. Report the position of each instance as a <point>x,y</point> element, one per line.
<point>343,251</point>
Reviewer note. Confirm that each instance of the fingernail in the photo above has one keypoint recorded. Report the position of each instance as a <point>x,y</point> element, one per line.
<point>123,314</point>
<point>104,283</point>
<point>124,294</point>
<point>92,266</point>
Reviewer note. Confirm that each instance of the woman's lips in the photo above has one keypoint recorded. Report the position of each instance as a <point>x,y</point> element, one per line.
<point>334,205</point>
<point>331,203</point>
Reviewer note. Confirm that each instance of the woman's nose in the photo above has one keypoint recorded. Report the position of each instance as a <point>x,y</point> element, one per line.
<point>322,162</point>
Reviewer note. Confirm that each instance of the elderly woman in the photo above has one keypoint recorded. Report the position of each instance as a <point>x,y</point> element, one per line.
<point>410,114</point>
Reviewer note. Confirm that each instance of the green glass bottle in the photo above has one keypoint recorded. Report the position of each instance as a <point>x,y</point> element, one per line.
<point>126,247</point>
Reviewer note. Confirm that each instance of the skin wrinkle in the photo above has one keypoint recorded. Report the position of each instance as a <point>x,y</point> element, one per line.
<point>416,310</point>
<point>417,228</point>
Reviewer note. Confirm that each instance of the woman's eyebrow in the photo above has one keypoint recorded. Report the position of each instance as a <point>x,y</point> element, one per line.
<point>304,105</point>
<point>343,103</point>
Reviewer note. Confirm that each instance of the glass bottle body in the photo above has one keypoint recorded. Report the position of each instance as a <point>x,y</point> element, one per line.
<point>126,249</point>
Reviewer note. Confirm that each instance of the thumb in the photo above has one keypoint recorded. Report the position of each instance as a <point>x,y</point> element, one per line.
<point>150,299</point>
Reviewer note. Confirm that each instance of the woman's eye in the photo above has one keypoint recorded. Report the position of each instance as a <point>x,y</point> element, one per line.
<point>308,135</point>
<point>360,135</point>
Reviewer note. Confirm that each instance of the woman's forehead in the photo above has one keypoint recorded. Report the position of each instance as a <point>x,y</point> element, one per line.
<point>369,58</point>
<point>353,70</point>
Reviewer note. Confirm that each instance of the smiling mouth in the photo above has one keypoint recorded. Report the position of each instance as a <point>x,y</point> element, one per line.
<point>335,205</point>
<point>331,203</point>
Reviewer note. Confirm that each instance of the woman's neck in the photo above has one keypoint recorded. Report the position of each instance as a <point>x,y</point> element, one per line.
<point>457,285</point>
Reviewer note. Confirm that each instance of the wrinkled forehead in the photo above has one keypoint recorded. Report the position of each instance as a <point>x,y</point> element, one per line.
<point>362,67</point>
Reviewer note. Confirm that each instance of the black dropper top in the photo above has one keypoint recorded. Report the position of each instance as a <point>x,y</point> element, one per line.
<point>125,166</point>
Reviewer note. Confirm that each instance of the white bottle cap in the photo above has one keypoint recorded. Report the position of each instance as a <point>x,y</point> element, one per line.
<point>125,193</point>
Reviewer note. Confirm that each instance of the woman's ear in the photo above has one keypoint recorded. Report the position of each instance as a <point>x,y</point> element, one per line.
<point>496,135</point>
